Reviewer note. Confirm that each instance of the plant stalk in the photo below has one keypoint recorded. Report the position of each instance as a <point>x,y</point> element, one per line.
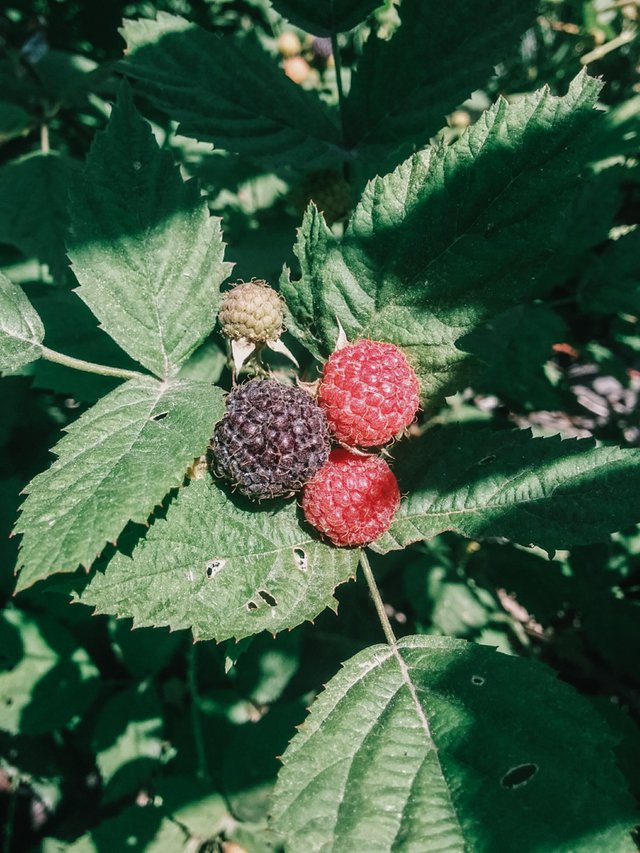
<point>88,366</point>
<point>377,601</point>
<point>202,771</point>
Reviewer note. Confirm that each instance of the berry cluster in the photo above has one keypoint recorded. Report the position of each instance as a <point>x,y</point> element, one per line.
<point>275,439</point>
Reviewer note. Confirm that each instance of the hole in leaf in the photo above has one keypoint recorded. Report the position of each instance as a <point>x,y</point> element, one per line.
<point>251,605</point>
<point>8,701</point>
<point>212,567</point>
<point>160,416</point>
<point>300,559</point>
<point>266,596</point>
<point>520,775</point>
<point>478,680</point>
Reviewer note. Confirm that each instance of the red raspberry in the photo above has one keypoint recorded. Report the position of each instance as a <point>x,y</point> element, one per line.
<point>369,392</point>
<point>352,499</point>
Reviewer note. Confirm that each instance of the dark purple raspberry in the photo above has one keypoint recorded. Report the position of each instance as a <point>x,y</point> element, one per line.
<point>271,441</point>
<point>321,47</point>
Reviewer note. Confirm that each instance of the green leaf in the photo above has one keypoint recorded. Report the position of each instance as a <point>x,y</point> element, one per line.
<point>541,491</point>
<point>457,748</point>
<point>127,740</point>
<point>612,282</point>
<point>223,569</point>
<point>144,652</point>
<point>47,681</point>
<point>138,829</point>
<point>116,464</point>
<point>441,53</point>
<point>515,345</point>
<point>34,201</point>
<point>193,804</point>
<point>324,17</point>
<point>21,329</point>
<point>453,237</point>
<point>230,92</point>
<point>14,121</point>
<point>146,252</point>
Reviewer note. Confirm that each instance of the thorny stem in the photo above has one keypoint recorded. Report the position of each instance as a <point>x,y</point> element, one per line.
<point>88,366</point>
<point>196,721</point>
<point>377,601</point>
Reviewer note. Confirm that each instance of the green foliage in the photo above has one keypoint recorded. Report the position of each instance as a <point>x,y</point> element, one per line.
<point>440,54</point>
<point>223,569</point>
<point>33,207</point>
<point>405,751</point>
<point>46,680</point>
<point>21,330</point>
<point>496,244</point>
<point>468,239</point>
<point>228,92</point>
<point>324,17</point>
<point>116,464</point>
<point>536,491</point>
<point>146,252</point>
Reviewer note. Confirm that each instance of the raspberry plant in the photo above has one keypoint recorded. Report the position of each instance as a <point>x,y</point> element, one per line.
<point>481,690</point>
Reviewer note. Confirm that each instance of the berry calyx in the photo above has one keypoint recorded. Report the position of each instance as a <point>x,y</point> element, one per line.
<point>252,311</point>
<point>272,439</point>
<point>369,393</point>
<point>352,499</point>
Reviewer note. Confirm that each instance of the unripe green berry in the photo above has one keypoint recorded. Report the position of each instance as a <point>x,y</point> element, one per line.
<point>252,311</point>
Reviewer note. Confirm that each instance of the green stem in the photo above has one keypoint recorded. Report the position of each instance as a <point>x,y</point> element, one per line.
<point>88,366</point>
<point>10,817</point>
<point>196,721</point>
<point>335,49</point>
<point>377,601</point>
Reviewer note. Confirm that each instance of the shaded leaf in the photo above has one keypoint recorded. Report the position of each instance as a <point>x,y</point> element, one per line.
<point>612,282</point>
<point>542,491</point>
<point>410,758</point>
<point>441,53</point>
<point>21,329</point>
<point>324,17</point>
<point>453,237</point>
<point>47,681</point>
<point>224,569</point>
<point>146,252</point>
<point>34,201</point>
<point>230,92</point>
<point>116,464</point>
<point>127,740</point>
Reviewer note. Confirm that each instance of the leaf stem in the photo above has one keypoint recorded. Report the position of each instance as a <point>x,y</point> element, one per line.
<point>88,366</point>
<point>335,49</point>
<point>377,600</point>
<point>196,721</point>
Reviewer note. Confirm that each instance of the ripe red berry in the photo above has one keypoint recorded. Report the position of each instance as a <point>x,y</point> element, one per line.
<point>369,392</point>
<point>352,499</point>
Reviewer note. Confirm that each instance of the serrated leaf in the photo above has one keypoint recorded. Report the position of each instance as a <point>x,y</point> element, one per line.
<point>46,680</point>
<point>230,92</point>
<point>21,329</point>
<point>34,201</point>
<point>324,17</point>
<point>454,236</point>
<point>127,740</point>
<point>534,491</point>
<point>144,248</point>
<point>116,463</point>
<point>459,748</point>
<point>224,569</point>
<point>441,53</point>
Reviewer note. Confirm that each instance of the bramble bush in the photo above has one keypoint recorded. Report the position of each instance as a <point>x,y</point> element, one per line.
<point>457,179</point>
